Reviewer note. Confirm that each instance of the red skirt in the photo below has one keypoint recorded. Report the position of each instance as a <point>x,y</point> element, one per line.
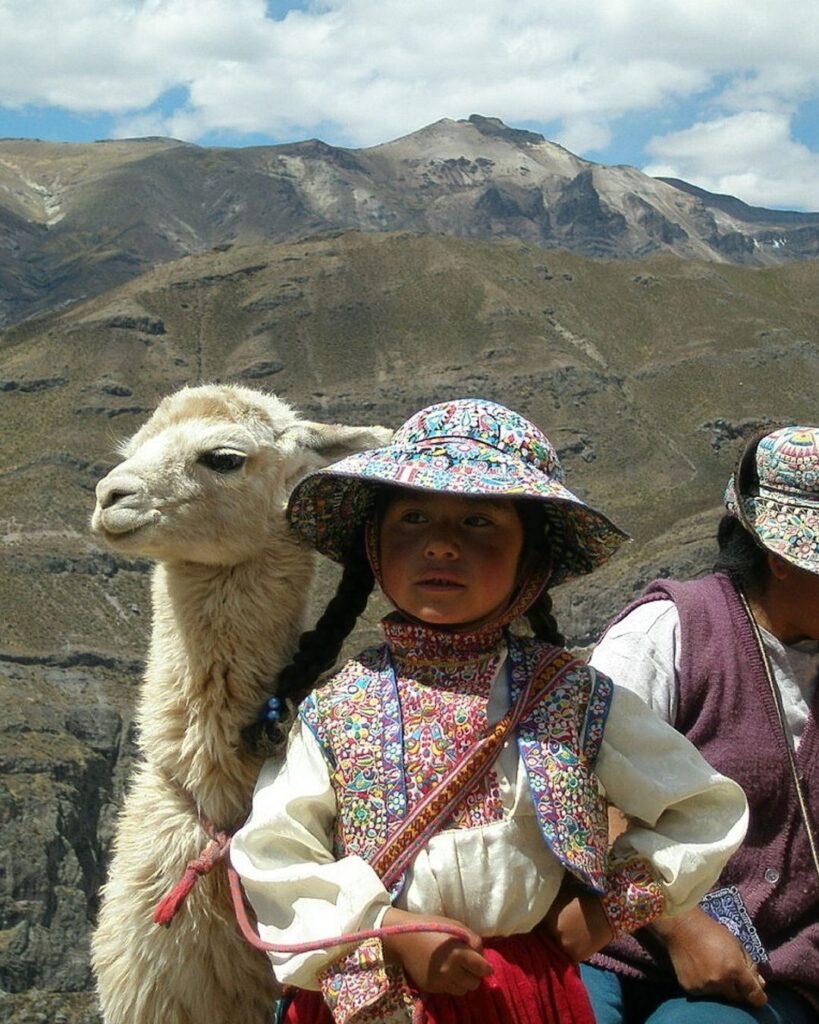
<point>533,982</point>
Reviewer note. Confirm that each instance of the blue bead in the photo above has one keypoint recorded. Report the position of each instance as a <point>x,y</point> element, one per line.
<point>271,710</point>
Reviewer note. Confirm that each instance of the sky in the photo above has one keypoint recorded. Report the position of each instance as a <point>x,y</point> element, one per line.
<point>722,93</point>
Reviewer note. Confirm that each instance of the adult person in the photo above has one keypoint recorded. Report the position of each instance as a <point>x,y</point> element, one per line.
<point>732,661</point>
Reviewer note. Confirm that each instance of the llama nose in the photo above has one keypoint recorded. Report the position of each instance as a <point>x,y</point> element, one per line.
<point>113,488</point>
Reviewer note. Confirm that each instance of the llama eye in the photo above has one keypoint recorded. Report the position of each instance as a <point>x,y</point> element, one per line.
<point>222,461</point>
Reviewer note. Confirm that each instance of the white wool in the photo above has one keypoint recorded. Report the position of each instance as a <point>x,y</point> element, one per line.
<point>228,596</point>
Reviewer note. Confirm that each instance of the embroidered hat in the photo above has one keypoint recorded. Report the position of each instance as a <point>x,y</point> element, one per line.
<point>778,484</point>
<point>469,447</point>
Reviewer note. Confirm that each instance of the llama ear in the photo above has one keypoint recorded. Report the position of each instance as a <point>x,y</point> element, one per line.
<point>315,445</point>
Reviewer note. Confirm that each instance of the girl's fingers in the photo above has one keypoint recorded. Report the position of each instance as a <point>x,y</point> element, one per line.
<point>472,960</point>
<point>479,966</point>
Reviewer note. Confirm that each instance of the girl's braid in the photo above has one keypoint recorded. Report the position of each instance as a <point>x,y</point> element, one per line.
<point>544,524</point>
<point>319,647</point>
<point>543,623</point>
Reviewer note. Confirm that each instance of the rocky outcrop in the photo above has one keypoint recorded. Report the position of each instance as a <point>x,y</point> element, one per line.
<point>66,748</point>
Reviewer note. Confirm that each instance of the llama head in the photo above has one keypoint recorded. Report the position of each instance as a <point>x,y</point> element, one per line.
<point>207,478</point>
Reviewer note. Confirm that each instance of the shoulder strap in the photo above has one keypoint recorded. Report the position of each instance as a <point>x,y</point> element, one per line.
<point>780,712</point>
<point>426,818</point>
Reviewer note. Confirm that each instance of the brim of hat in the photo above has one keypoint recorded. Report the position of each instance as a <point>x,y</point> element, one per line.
<point>787,528</point>
<point>328,507</point>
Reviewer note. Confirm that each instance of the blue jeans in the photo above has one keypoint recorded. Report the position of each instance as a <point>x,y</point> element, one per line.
<point>619,1000</point>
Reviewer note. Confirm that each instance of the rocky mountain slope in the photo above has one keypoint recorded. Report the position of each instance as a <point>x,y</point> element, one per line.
<point>644,373</point>
<point>78,219</point>
<point>359,284</point>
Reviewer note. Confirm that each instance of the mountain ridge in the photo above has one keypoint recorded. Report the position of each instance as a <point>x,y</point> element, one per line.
<point>69,226</point>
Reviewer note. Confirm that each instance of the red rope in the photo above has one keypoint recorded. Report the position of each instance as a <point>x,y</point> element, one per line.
<point>337,940</point>
<point>216,851</point>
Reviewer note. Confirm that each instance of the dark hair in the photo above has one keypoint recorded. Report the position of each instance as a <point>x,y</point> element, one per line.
<point>542,621</point>
<point>541,533</point>
<point>319,647</point>
<point>741,557</point>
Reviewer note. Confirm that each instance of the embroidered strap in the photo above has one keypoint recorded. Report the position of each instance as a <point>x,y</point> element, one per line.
<point>415,830</point>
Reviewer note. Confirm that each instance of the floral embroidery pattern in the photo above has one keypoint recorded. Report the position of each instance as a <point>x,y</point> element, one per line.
<point>784,509</point>
<point>633,896</point>
<point>357,719</point>
<point>360,988</point>
<point>558,743</point>
<point>443,707</point>
<point>466,446</point>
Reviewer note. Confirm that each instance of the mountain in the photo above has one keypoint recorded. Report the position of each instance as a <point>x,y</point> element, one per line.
<point>77,219</point>
<point>645,374</point>
<point>150,264</point>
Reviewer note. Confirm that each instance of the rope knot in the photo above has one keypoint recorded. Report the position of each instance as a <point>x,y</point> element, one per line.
<point>215,851</point>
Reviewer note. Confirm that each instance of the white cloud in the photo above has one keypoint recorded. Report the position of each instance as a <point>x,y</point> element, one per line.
<point>363,71</point>
<point>583,135</point>
<point>750,155</point>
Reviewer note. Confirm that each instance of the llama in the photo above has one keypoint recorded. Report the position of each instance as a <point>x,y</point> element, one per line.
<point>202,491</point>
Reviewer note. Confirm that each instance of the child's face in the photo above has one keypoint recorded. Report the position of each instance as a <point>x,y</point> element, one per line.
<point>448,560</point>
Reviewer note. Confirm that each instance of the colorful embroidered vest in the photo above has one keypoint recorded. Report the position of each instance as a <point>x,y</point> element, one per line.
<point>359,719</point>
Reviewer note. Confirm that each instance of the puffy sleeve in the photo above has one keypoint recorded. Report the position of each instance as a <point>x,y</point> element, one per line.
<point>284,856</point>
<point>642,653</point>
<point>684,818</point>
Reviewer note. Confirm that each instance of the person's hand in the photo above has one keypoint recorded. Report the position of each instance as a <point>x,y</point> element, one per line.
<point>708,960</point>
<point>577,922</point>
<point>433,961</point>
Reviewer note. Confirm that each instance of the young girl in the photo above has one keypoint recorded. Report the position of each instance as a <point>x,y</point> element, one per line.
<point>450,786</point>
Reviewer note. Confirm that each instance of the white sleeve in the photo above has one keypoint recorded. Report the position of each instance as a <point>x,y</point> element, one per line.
<point>685,818</point>
<point>284,856</point>
<point>642,653</point>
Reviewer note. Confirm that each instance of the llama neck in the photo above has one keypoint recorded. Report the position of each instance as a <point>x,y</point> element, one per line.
<point>220,636</point>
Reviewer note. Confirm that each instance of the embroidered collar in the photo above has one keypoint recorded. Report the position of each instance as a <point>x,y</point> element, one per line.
<point>414,643</point>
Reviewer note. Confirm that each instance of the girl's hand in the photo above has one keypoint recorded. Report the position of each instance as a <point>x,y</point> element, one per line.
<point>577,923</point>
<point>708,960</point>
<point>433,961</point>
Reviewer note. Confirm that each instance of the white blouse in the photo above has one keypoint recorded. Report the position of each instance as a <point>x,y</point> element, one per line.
<point>643,650</point>
<point>499,878</point>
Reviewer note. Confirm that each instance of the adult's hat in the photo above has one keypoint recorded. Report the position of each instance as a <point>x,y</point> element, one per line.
<point>468,447</point>
<point>775,493</point>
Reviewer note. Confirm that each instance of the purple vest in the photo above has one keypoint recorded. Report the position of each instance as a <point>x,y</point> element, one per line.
<point>727,711</point>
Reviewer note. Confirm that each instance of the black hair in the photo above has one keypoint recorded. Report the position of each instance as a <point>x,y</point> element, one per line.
<point>319,647</point>
<point>741,557</point>
<point>542,621</point>
<point>542,534</point>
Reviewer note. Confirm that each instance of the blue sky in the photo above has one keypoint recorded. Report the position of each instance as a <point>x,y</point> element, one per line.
<point>723,93</point>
